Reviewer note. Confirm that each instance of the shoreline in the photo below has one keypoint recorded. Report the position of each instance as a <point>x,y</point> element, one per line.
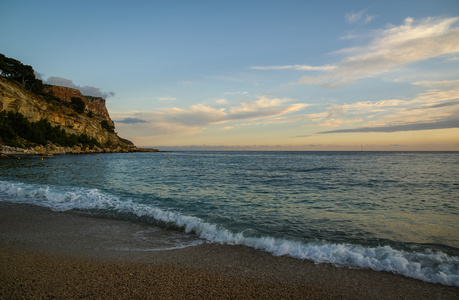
<point>45,254</point>
<point>13,152</point>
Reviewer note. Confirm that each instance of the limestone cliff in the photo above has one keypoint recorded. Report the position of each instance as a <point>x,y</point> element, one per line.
<point>96,105</point>
<point>16,99</point>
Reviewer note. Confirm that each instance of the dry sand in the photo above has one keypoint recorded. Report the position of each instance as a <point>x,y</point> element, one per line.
<point>49,255</point>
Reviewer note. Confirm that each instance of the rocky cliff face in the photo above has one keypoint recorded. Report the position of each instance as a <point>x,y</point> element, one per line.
<point>14,98</point>
<point>93,104</point>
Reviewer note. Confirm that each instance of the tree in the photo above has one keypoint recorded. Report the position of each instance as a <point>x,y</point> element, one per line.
<point>14,70</point>
<point>77,104</point>
<point>107,126</point>
<point>14,125</point>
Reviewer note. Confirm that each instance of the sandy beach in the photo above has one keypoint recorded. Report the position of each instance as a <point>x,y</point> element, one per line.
<point>46,255</point>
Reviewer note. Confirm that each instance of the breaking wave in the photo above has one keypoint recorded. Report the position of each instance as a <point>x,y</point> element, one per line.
<point>429,266</point>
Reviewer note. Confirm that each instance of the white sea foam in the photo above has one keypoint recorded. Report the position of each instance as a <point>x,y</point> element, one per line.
<point>435,267</point>
<point>181,246</point>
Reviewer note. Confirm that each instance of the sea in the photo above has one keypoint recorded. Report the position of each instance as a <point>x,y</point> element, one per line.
<point>386,211</point>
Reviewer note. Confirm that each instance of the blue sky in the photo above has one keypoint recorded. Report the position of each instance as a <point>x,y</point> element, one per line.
<point>297,75</point>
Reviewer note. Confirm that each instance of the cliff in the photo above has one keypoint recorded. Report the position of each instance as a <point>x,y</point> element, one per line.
<point>14,98</point>
<point>95,105</point>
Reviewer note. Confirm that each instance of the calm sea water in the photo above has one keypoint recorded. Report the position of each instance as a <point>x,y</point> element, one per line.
<point>392,211</point>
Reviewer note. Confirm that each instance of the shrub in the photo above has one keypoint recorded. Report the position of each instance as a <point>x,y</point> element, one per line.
<point>107,126</point>
<point>14,125</point>
<point>77,104</point>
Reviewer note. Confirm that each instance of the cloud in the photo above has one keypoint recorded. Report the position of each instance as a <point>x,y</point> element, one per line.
<point>334,110</point>
<point>338,122</point>
<point>439,105</point>
<point>368,19</point>
<point>38,75</point>
<point>197,117</point>
<point>441,124</point>
<point>202,115</point>
<point>354,17</point>
<point>157,129</point>
<point>441,91</point>
<point>389,49</point>
<point>61,81</point>
<point>296,67</point>
<point>429,110</point>
<point>131,121</point>
<point>221,101</point>
<point>366,106</point>
<point>236,93</point>
<point>438,84</point>
<point>85,90</point>
<point>263,108</point>
<point>261,103</point>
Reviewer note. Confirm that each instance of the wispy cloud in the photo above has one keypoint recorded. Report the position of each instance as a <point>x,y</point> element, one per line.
<point>438,84</point>
<point>338,122</point>
<point>429,110</point>
<point>389,49</point>
<point>222,101</point>
<point>85,90</point>
<point>296,67</point>
<point>440,124</point>
<point>198,117</point>
<point>236,93</point>
<point>264,108</point>
<point>368,19</point>
<point>355,17</point>
<point>439,105</point>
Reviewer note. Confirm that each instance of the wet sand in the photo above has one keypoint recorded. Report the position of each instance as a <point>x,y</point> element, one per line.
<point>45,254</point>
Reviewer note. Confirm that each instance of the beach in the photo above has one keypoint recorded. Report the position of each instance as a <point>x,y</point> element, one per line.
<point>46,254</point>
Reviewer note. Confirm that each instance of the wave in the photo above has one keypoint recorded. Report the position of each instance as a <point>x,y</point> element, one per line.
<point>429,266</point>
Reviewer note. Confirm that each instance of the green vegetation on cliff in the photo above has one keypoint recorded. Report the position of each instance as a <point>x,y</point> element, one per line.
<point>77,104</point>
<point>107,126</point>
<point>14,125</point>
<point>15,71</point>
<point>24,75</point>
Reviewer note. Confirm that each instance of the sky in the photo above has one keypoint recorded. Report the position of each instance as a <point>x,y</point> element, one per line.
<point>253,75</point>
